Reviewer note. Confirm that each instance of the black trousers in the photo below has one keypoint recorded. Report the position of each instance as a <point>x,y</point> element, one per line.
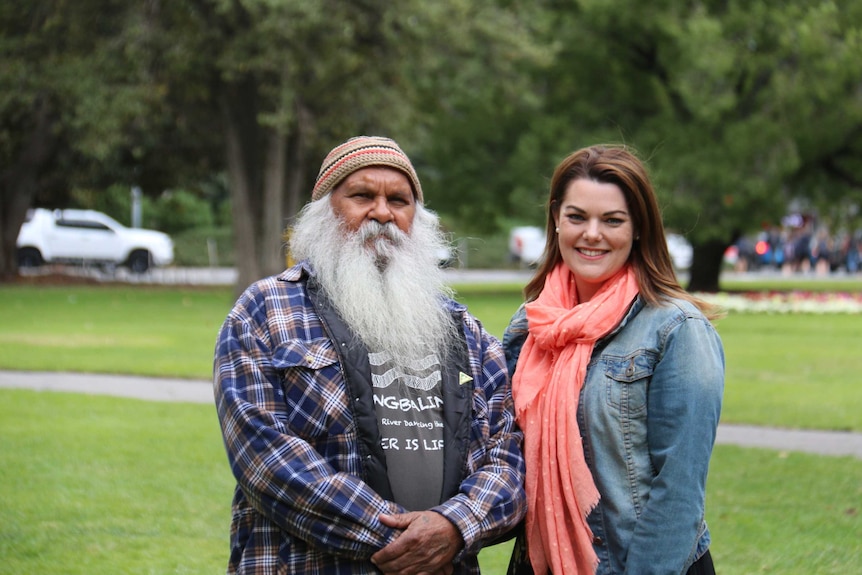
<point>702,566</point>
<point>520,563</point>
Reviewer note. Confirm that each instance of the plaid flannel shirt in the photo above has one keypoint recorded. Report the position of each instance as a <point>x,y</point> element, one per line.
<point>300,505</point>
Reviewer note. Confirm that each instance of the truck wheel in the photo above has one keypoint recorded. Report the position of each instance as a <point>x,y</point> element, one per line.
<point>29,258</point>
<point>139,261</point>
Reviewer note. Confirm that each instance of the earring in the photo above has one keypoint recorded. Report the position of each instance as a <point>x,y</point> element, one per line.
<point>557,230</point>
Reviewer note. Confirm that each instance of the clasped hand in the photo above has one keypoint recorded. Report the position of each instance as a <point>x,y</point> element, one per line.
<point>426,545</point>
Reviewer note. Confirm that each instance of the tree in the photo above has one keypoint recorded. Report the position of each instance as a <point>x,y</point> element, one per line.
<point>81,104</point>
<point>737,106</point>
<point>714,95</point>
<point>279,80</point>
<point>822,90</point>
<point>475,99</point>
<point>290,79</point>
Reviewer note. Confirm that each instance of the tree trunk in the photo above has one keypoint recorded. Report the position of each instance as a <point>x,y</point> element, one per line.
<point>296,179</point>
<point>271,238</point>
<point>16,198</point>
<point>242,201</point>
<point>19,183</point>
<point>706,266</point>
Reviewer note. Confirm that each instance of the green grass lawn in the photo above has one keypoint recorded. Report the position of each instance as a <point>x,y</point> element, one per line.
<point>785,370</point>
<point>797,371</point>
<point>787,513</point>
<point>793,370</point>
<point>103,485</point>
<point>94,484</point>
<point>135,330</point>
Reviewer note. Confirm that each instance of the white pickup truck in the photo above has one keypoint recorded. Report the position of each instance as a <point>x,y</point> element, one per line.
<point>87,236</point>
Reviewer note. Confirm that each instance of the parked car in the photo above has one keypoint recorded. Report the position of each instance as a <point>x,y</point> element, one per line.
<point>526,245</point>
<point>680,250</point>
<point>446,257</point>
<point>88,236</point>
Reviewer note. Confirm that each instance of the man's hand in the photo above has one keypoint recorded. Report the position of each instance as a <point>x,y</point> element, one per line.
<point>427,545</point>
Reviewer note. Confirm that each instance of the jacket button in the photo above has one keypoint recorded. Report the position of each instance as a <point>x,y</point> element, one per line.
<point>598,541</point>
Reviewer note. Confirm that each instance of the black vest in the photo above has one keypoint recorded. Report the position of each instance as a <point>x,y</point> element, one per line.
<point>457,401</point>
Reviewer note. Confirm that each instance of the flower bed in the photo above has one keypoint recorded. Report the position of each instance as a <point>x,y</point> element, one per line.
<point>786,302</point>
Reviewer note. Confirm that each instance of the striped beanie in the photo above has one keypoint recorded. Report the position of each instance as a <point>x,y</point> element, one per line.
<point>363,152</point>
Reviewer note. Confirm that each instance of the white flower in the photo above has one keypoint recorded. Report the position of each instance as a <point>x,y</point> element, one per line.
<point>786,302</point>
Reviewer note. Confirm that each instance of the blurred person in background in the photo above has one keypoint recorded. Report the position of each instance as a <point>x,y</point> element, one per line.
<point>821,252</point>
<point>854,246</point>
<point>367,417</point>
<point>618,382</point>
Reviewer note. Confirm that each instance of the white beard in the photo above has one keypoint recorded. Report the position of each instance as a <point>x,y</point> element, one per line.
<point>385,284</point>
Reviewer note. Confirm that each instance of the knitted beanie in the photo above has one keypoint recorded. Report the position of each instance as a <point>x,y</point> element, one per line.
<point>363,152</point>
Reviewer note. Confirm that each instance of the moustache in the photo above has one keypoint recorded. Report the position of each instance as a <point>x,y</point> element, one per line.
<point>371,231</point>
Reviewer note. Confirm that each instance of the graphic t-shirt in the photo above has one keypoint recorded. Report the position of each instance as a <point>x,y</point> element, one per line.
<point>409,404</point>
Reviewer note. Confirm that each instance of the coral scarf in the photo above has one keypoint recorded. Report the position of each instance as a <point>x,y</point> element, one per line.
<point>546,386</point>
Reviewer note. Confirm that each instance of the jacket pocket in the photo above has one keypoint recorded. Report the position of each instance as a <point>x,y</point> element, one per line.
<point>311,379</point>
<point>628,381</point>
<point>313,354</point>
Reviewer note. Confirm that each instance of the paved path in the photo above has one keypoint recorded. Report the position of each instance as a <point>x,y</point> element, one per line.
<point>195,391</point>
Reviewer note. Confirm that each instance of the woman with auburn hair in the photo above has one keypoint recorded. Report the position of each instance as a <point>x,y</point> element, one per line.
<point>618,375</point>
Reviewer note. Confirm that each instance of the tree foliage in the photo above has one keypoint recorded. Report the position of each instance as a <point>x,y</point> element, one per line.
<point>290,79</point>
<point>738,106</point>
<point>82,105</point>
<point>725,100</point>
<point>66,87</point>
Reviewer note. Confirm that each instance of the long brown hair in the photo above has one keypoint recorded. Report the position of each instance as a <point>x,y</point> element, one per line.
<point>650,259</point>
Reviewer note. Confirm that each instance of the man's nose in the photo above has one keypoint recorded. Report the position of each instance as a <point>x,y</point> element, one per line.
<point>380,211</point>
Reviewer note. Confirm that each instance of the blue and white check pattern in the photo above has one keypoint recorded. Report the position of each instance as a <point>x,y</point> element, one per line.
<point>300,505</point>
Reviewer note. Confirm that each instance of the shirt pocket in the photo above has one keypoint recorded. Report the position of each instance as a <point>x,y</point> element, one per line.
<point>313,387</point>
<point>628,382</point>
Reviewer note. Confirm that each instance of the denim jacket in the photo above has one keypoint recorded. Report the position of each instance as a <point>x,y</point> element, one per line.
<point>648,413</point>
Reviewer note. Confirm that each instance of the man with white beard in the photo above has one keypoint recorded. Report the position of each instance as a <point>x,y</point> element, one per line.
<point>367,416</point>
